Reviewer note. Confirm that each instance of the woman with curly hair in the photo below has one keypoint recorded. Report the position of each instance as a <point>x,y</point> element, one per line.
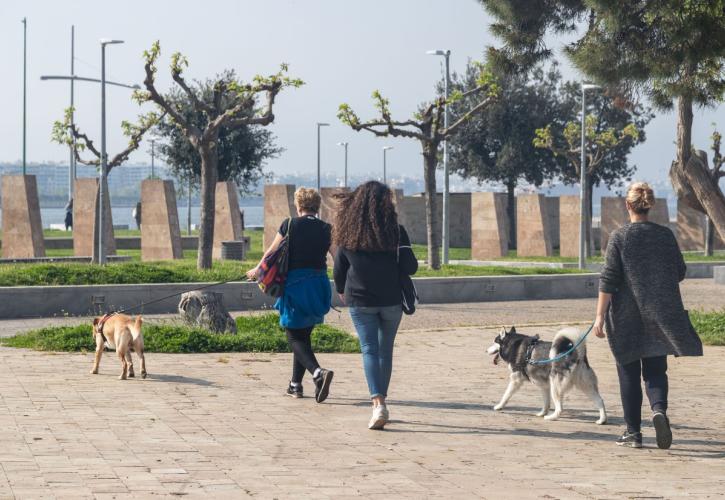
<point>373,252</point>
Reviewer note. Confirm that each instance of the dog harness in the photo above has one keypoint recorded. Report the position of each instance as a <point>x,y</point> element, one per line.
<point>101,322</point>
<point>530,350</point>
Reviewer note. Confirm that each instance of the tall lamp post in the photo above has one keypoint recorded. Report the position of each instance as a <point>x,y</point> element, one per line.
<point>583,198</point>
<point>153,154</point>
<point>385,166</point>
<point>319,124</point>
<point>345,145</point>
<point>25,86</point>
<point>104,159</point>
<point>446,176</point>
<point>72,162</point>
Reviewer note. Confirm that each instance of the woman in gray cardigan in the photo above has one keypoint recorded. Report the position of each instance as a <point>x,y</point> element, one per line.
<point>646,321</point>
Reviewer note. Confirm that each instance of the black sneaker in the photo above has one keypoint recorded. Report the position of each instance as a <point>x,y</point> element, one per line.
<point>662,429</point>
<point>294,391</point>
<point>630,439</point>
<point>322,384</point>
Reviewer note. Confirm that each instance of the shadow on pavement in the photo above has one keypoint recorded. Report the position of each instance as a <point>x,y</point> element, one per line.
<point>179,379</point>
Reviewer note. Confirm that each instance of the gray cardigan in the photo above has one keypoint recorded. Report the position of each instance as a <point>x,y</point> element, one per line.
<point>642,271</point>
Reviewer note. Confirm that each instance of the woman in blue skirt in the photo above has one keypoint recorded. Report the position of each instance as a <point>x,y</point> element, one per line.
<point>307,292</point>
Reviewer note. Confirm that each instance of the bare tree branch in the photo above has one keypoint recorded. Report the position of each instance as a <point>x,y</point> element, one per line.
<point>192,131</point>
<point>478,107</point>
<point>133,144</point>
<point>198,104</point>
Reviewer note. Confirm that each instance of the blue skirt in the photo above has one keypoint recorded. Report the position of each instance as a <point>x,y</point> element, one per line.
<point>306,299</point>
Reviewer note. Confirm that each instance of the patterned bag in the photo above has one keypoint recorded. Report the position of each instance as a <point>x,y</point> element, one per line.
<point>273,270</point>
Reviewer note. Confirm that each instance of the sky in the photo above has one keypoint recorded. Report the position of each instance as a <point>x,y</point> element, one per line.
<point>342,49</point>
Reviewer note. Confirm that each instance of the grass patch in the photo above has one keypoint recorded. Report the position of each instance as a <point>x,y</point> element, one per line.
<point>710,326</point>
<point>260,333</point>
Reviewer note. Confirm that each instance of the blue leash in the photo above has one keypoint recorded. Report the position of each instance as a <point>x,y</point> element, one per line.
<point>562,355</point>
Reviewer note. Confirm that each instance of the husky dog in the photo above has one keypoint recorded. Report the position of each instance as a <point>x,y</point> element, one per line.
<point>554,379</point>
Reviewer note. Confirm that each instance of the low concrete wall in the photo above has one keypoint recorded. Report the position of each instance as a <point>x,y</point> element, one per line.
<point>49,301</point>
<point>719,275</point>
<point>695,270</point>
<point>122,243</point>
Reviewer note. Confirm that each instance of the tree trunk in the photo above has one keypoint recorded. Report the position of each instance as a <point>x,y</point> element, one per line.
<point>511,213</point>
<point>690,175</point>
<point>709,237</point>
<point>430,162</point>
<point>209,158</point>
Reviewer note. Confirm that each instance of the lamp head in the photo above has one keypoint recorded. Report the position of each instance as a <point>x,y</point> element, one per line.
<point>320,124</point>
<point>385,148</point>
<point>342,143</point>
<point>438,52</point>
<point>590,86</point>
<point>110,41</point>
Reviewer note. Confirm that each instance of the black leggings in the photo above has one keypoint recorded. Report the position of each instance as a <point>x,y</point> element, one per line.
<point>654,372</point>
<point>304,358</point>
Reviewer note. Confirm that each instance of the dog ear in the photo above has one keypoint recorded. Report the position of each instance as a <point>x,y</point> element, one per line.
<point>513,329</point>
<point>95,321</point>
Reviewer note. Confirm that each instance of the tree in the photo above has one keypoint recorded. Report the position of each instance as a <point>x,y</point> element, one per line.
<point>426,127</point>
<point>242,150</point>
<point>497,144</point>
<point>671,50</point>
<point>610,133</point>
<point>716,173</point>
<point>67,133</point>
<point>233,105</point>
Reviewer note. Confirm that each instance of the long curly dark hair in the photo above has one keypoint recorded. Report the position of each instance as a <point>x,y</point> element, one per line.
<point>366,219</point>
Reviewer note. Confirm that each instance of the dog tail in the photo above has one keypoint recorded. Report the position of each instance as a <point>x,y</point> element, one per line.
<point>565,339</point>
<point>136,330</point>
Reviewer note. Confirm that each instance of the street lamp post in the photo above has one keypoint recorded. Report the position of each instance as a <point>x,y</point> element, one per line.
<point>319,124</point>
<point>153,144</point>
<point>446,174</point>
<point>188,208</point>
<point>104,159</point>
<point>25,87</point>
<point>583,198</point>
<point>72,162</point>
<point>345,145</point>
<point>385,166</point>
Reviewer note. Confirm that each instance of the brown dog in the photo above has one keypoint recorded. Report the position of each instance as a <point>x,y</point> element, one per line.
<point>122,333</point>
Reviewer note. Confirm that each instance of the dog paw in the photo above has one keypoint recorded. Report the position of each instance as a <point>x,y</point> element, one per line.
<point>601,421</point>
<point>94,372</point>
<point>131,375</point>
<point>143,374</point>
<point>121,377</point>
<point>553,416</point>
<point>542,413</point>
<point>498,407</point>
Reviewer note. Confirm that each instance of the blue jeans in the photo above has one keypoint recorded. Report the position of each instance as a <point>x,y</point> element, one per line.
<point>376,327</point>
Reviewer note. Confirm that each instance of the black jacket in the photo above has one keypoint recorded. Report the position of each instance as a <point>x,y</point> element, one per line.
<point>372,279</point>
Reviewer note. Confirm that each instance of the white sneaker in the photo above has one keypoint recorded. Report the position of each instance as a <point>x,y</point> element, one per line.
<point>380,418</point>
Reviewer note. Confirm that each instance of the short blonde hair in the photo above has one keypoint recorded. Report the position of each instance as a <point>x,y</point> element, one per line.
<point>308,200</point>
<point>640,197</point>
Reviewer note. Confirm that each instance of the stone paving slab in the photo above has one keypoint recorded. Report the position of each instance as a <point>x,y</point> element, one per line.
<point>218,426</point>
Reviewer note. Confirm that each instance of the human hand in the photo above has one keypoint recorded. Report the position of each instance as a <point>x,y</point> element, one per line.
<point>598,327</point>
<point>252,274</point>
<point>342,298</point>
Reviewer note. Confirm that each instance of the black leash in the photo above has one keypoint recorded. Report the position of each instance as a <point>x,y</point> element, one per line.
<point>143,304</point>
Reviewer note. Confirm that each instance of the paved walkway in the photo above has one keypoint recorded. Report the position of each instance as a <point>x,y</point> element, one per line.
<point>217,426</point>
